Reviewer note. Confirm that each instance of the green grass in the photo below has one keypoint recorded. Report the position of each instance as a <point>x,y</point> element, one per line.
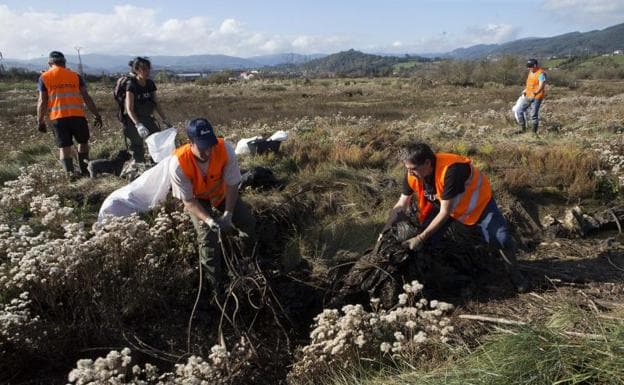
<point>535,355</point>
<point>406,65</point>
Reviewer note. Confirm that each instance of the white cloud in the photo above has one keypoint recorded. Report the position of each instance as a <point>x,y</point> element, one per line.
<point>489,34</point>
<point>444,42</point>
<point>590,13</point>
<point>139,31</point>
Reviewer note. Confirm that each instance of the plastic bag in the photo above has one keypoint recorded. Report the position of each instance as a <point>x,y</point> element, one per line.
<point>520,107</point>
<point>242,146</point>
<point>279,136</point>
<point>161,144</point>
<point>143,194</point>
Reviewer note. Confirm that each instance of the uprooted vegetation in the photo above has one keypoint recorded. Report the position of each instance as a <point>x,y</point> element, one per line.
<point>70,291</point>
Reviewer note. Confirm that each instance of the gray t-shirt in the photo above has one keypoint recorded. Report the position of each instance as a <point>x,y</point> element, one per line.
<point>181,185</point>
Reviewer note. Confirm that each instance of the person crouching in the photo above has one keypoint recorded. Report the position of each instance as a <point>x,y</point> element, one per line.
<point>205,176</point>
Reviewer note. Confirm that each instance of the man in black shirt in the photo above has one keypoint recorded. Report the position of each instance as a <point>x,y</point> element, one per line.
<point>449,187</point>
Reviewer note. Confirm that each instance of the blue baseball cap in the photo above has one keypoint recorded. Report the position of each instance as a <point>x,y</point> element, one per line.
<point>200,131</point>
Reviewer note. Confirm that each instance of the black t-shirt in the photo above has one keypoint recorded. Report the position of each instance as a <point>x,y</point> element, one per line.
<point>454,182</point>
<point>143,96</point>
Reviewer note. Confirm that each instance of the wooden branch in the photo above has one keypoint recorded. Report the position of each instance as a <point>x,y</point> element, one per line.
<point>502,321</point>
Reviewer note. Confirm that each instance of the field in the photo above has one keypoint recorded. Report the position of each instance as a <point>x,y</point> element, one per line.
<point>70,290</point>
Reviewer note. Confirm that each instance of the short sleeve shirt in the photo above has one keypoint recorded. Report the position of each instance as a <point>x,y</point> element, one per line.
<point>143,96</point>
<point>181,185</point>
<point>454,183</point>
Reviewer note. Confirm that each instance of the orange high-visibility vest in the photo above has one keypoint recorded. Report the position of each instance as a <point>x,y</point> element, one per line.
<point>64,97</point>
<point>211,185</point>
<point>466,207</point>
<point>532,85</point>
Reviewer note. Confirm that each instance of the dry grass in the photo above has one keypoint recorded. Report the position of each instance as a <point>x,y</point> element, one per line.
<point>338,166</point>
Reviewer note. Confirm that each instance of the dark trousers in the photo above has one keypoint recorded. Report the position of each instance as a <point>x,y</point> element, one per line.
<point>208,240</point>
<point>136,142</point>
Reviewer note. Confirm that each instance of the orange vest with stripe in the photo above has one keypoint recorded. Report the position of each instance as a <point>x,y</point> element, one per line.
<point>64,97</point>
<point>211,185</point>
<point>532,84</point>
<point>466,207</point>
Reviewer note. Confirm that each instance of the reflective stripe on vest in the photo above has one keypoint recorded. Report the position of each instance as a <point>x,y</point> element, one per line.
<point>532,84</point>
<point>63,89</point>
<point>211,185</point>
<point>466,207</point>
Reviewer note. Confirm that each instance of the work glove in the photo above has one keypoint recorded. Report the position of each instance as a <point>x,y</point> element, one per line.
<point>416,243</point>
<point>225,222</point>
<point>42,127</point>
<point>97,121</point>
<point>212,224</point>
<point>143,131</point>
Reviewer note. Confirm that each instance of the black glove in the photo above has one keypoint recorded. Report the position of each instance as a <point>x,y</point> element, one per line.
<point>97,122</point>
<point>42,127</point>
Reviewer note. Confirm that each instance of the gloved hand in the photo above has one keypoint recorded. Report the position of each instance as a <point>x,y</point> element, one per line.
<point>97,121</point>
<point>416,243</point>
<point>42,127</point>
<point>143,131</point>
<point>225,222</point>
<point>212,224</point>
<point>167,123</point>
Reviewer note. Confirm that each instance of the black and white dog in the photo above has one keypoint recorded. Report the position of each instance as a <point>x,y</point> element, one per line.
<point>108,166</point>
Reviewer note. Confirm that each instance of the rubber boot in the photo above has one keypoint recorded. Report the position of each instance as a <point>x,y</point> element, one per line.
<point>68,165</point>
<point>511,265</point>
<point>83,160</point>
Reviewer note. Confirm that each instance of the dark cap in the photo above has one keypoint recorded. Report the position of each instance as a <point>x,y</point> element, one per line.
<point>200,131</point>
<point>531,63</point>
<point>56,55</point>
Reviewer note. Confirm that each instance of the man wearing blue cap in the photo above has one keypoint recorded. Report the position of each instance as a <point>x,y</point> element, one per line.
<point>205,176</point>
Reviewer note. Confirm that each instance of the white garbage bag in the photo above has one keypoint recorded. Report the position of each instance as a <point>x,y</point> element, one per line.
<point>141,195</point>
<point>161,144</point>
<point>279,136</point>
<point>242,148</point>
<point>520,107</point>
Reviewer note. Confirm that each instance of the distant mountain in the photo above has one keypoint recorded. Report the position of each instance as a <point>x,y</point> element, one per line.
<point>284,58</point>
<point>108,64</point>
<point>353,63</point>
<point>575,43</point>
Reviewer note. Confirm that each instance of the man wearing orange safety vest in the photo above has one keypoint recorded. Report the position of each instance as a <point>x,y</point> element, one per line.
<point>448,187</point>
<point>63,94</point>
<point>205,176</point>
<point>535,91</point>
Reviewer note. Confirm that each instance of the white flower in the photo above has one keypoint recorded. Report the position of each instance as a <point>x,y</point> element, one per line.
<point>385,347</point>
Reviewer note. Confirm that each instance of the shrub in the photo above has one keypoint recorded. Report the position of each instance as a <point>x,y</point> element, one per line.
<point>343,340</point>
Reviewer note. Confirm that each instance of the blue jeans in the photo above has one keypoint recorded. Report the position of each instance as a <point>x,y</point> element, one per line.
<point>492,225</point>
<point>533,113</point>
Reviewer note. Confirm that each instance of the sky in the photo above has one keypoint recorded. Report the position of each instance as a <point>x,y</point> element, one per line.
<point>244,28</point>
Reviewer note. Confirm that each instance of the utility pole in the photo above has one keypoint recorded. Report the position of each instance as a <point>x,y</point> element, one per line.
<point>1,65</point>
<point>79,61</point>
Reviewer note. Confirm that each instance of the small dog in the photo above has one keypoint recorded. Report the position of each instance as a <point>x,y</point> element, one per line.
<point>108,166</point>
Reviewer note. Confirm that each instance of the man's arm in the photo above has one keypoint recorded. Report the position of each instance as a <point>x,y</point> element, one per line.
<point>195,208</point>
<point>88,101</point>
<point>42,104</point>
<point>542,84</point>
<point>231,196</point>
<point>438,220</point>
